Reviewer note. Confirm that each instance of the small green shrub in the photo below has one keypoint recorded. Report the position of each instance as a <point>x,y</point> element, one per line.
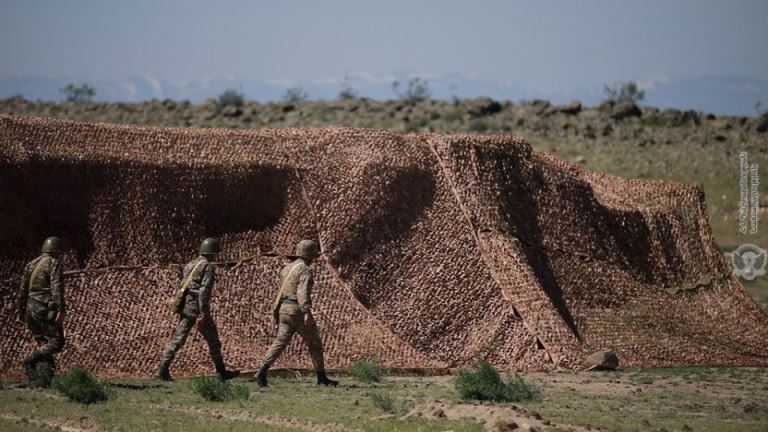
<point>366,371</point>
<point>231,97</point>
<point>295,94</point>
<point>80,386</point>
<point>78,94</point>
<point>417,91</point>
<point>624,91</point>
<point>383,401</point>
<point>43,376</point>
<point>216,390</point>
<point>485,383</point>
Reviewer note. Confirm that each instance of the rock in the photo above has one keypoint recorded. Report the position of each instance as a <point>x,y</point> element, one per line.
<point>232,111</point>
<point>762,124</point>
<point>438,412</point>
<point>606,106</point>
<point>624,110</point>
<point>502,425</point>
<point>749,407</point>
<point>572,108</point>
<point>482,106</point>
<point>536,415</point>
<point>687,428</point>
<point>603,360</point>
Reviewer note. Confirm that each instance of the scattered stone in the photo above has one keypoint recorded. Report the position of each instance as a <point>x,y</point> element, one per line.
<point>572,108</point>
<point>603,360</point>
<point>624,110</point>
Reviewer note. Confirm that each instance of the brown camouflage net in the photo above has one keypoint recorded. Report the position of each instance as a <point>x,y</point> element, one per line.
<point>439,251</point>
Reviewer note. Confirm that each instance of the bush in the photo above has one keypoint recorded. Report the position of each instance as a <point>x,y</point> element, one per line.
<point>43,376</point>
<point>417,91</point>
<point>216,390</point>
<point>485,383</point>
<point>383,401</point>
<point>624,91</point>
<point>347,91</point>
<point>231,97</point>
<point>295,94</point>
<point>366,371</point>
<point>80,386</point>
<point>78,94</point>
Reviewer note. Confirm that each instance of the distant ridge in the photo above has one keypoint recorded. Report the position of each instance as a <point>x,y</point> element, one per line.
<point>717,94</point>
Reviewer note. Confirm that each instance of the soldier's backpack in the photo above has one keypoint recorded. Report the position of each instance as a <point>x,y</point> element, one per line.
<point>178,300</point>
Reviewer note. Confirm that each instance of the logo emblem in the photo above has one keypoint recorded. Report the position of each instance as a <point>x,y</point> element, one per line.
<point>749,261</point>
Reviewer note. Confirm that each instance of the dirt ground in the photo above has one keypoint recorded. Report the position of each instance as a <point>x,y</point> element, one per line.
<point>671,399</point>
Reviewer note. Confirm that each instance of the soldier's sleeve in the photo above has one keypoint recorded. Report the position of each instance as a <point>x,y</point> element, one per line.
<point>206,286</point>
<point>304,290</point>
<point>57,285</point>
<point>23,294</point>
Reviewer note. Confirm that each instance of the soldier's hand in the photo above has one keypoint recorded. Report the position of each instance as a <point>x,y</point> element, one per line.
<point>202,320</point>
<point>309,321</point>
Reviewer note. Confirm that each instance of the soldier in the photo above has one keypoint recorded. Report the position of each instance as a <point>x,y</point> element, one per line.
<point>292,313</point>
<point>41,306</point>
<point>194,308</point>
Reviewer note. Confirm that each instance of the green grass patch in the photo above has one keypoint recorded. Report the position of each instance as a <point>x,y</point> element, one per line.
<point>215,389</point>
<point>43,376</point>
<point>365,370</point>
<point>383,401</point>
<point>81,386</point>
<point>485,383</point>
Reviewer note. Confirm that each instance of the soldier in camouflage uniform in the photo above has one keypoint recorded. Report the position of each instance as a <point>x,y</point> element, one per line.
<point>292,313</point>
<point>41,305</point>
<point>195,310</point>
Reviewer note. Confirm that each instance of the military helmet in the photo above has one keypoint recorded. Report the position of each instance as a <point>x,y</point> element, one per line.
<point>210,246</point>
<point>307,249</point>
<point>52,244</point>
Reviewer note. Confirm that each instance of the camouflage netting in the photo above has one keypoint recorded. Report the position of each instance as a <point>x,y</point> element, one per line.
<point>439,251</point>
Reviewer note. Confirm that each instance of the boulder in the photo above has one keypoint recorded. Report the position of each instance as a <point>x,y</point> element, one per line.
<point>603,360</point>
<point>482,106</point>
<point>624,110</point>
<point>762,123</point>
<point>572,108</point>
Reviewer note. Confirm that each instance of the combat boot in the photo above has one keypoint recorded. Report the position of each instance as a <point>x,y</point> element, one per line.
<point>29,366</point>
<point>261,376</point>
<point>322,379</point>
<point>228,374</point>
<point>163,374</point>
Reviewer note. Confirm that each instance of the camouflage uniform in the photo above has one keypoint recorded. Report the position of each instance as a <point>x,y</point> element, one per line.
<point>40,300</point>
<point>298,279</point>
<point>196,302</point>
<point>295,304</point>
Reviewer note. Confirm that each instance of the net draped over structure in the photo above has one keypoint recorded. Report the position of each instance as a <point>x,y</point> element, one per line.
<point>438,251</point>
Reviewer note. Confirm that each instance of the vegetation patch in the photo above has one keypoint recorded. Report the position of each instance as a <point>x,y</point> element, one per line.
<point>215,389</point>
<point>81,386</point>
<point>42,377</point>
<point>383,401</point>
<point>365,370</point>
<point>485,383</point>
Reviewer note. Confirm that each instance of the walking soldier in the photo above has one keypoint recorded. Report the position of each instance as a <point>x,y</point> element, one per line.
<point>42,308</point>
<point>192,303</point>
<point>292,313</point>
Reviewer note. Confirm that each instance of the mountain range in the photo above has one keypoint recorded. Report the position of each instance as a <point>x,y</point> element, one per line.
<point>717,94</point>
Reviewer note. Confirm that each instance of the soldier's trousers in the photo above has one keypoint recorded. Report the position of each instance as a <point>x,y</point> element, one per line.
<point>48,334</point>
<point>290,324</point>
<point>183,328</point>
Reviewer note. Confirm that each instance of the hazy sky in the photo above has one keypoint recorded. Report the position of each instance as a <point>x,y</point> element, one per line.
<point>543,45</point>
